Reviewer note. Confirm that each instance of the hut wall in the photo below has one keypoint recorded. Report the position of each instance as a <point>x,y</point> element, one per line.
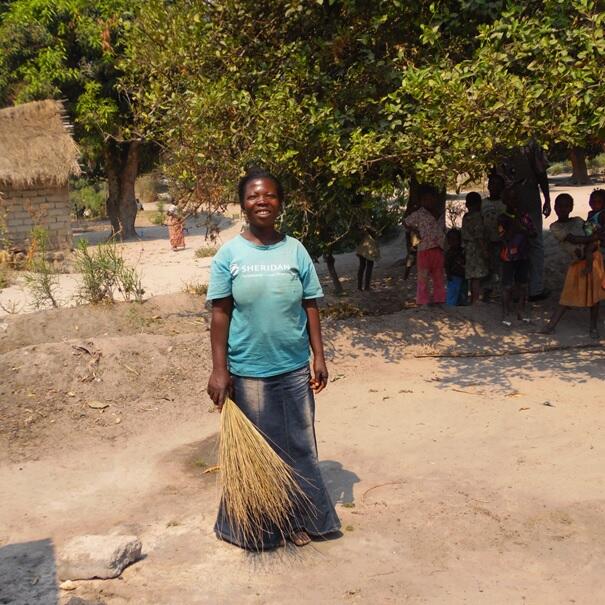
<point>48,207</point>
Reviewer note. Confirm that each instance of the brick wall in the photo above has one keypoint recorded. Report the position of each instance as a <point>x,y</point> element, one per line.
<point>23,209</point>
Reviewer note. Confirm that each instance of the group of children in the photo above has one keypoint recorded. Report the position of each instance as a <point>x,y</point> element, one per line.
<point>492,248</point>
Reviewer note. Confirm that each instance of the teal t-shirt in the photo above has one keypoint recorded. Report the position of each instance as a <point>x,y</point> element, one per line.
<point>268,330</point>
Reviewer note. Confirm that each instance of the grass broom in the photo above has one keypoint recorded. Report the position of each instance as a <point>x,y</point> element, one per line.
<point>259,489</point>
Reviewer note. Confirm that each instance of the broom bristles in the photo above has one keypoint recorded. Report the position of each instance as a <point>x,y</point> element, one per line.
<point>260,491</point>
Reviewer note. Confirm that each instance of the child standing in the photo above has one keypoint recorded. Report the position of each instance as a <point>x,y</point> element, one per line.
<point>368,253</point>
<point>429,223</point>
<point>515,228</point>
<point>583,285</point>
<point>491,209</point>
<point>596,216</point>
<point>475,244</point>
<point>457,287</point>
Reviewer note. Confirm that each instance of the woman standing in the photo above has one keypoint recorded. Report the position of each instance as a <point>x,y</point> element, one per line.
<point>263,288</point>
<point>175,228</point>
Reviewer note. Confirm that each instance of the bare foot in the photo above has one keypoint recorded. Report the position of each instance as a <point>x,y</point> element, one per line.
<point>299,538</point>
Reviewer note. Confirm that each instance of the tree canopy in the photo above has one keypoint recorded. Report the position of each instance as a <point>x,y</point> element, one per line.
<point>347,100</point>
<point>353,97</point>
<point>69,49</point>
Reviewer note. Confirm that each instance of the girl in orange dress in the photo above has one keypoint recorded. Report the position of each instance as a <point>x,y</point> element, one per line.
<point>584,281</point>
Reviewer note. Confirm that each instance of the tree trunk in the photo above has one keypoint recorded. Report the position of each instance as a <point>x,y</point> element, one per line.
<point>331,262</point>
<point>578,165</point>
<point>121,169</point>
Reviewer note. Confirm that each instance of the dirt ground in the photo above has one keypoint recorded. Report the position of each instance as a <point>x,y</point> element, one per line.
<point>465,460</point>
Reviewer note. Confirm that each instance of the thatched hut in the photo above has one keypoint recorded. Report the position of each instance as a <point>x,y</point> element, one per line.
<point>37,156</point>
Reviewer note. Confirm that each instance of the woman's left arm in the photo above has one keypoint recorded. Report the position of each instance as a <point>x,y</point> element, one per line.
<point>320,371</point>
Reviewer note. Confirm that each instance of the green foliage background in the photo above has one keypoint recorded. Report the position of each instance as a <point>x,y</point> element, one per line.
<point>346,100</point>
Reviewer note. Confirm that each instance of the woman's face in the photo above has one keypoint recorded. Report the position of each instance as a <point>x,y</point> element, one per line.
<point>261,202</point>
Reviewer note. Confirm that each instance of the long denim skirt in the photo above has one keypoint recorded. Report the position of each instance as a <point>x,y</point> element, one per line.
<point>283,409</point>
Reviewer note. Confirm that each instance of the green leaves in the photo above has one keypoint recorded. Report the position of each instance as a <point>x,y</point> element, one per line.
<point>352,97</point>
<point>67,49</point>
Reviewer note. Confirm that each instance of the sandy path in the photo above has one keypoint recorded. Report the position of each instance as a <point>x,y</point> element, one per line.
<point>456,492</point>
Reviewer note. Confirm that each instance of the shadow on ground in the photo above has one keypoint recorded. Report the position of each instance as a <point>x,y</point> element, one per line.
<point>338,481</point>
<point>28,573</point>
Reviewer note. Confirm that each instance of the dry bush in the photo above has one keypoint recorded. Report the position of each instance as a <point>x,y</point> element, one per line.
<point>197,288</point>
<point>104,272</point>
<point>205,252</point>
<point>42,280</point>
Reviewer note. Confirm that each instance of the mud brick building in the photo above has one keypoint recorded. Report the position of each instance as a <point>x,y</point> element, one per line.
<point>37,156</point>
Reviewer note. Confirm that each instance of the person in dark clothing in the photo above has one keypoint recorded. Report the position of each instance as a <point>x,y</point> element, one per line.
<point>457,286</point>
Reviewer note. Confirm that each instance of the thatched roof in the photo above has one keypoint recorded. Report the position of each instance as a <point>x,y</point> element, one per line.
<point>36,146</point>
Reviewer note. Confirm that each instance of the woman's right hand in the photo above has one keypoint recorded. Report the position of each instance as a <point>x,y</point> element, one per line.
<point>219,387</point>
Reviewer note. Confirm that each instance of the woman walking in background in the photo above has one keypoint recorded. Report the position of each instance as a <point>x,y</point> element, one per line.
<point>176,232</point>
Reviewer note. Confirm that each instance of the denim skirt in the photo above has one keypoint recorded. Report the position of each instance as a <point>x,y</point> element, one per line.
<point>283,409</point>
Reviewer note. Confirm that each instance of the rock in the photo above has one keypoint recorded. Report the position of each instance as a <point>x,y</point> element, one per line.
<point>91,556</point>
<point>68,585</point>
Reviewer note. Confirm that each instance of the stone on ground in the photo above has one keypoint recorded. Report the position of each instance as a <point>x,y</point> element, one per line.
<point>91,556</point>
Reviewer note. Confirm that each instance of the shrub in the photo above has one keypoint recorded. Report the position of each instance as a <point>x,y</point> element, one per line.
<point>104,272</point>
<point>146,187</point>
<point>159,216</point>
<point>205,252</point>
<point>597,164</point>
<point>87,195</point>
<point>42,280</point>
<point>5,278</point>
<point>197,288</point>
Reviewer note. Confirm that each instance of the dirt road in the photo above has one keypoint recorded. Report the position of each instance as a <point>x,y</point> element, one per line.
<point>458,480</point>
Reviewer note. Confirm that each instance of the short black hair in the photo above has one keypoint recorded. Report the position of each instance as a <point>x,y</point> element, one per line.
<point>425,191</point>
<point>599,193</point>
<point>252,175</point>
<point>494,176</point>
<point>473,199</point>
<point>563,197</point>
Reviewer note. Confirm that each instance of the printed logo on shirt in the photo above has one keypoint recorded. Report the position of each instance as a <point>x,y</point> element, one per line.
<point>250,270</point>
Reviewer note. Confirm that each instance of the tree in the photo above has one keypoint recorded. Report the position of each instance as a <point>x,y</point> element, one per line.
<point>294,85</point>
<point>70,49</point>
<point>350,97</point>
